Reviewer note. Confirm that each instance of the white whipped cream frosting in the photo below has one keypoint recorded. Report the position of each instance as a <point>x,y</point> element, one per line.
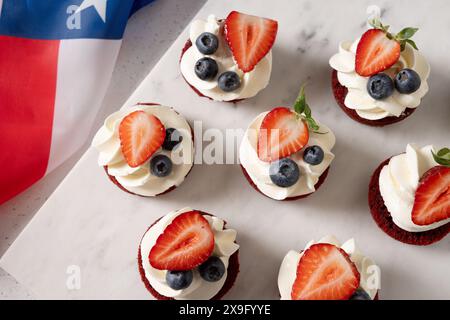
<point>224,247</point>
<point>369,272</point>
<point>139,180</point>
<point>258,170</point>
<point>251,82</point>
<point>359,99</point>
<point>398,182</point>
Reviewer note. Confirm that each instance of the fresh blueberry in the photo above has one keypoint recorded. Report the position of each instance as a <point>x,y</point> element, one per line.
<point>284,173</point>
<point>178,280</point>
<point>212,270</point>
<point>173,138</point>
<point>380,86</point>
<point>206,68</point>
<point>207,43</point>
<point>229,81</point>
<point>407,81</point>
<point>313,155</point>
<point>360,294</point>
<point>161,166</point>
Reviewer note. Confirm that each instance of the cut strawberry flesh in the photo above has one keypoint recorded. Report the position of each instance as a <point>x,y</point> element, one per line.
<point>250,38</point>
<point>325,272</point>
<point>432,198</point>
<point>185,244</point>
<point>281,134</point>
<point>375,53</point>
<point>141,135</point>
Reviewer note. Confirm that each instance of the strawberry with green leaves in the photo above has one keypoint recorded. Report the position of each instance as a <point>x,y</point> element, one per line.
<point>285,131</point>
<point>378,49</point>
<point>432,198</point>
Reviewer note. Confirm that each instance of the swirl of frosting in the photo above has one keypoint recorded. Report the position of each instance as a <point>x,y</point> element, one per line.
<point>398,182</point>
<point>359,99</point>
<point>366,267</point>
<point>199,289</point>
<point>251,82</point>
<point>139,180</point>
<point>259,170</point>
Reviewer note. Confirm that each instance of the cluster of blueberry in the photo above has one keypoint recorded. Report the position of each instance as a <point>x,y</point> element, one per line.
<point>212,270</point>
<point>285,172</point>
<point>381,85</point>
<point>207,68</point>
<point>161,165</point>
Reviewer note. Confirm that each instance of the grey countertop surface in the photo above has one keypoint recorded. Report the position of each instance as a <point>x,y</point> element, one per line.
<point>149,34</point>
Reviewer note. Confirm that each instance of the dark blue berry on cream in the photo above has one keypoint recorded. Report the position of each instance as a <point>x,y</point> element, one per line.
<point>206,68</point>
<point>407,81</point>
<point>178,280</point>
<point>161,166</point>
<point>284,172</point>
<point>313,155</point>
<point>380,86</point>
<point>207,43</point>
<point>212,270</point>
<point>229,81</point>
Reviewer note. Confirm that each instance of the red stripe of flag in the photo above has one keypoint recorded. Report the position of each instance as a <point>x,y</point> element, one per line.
<point>28,72</point>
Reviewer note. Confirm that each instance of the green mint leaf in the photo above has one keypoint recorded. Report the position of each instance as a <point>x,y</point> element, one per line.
<point>406,33</point>
<point>442,157</point>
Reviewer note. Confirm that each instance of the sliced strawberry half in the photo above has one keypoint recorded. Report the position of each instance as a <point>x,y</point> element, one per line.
<point>325,272</point>
<point>432,200</point>
<point>250,38</point>
<point>185,243</point>
<point>140,134</point>
<point>281,134</point>
<point>376,53</point>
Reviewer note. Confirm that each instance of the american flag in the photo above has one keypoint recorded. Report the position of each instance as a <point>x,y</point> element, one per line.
<point>56,62</point>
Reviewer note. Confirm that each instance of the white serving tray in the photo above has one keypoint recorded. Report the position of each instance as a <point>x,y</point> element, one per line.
<point>91,226</point>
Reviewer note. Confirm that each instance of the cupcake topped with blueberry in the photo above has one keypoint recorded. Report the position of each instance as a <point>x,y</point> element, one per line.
<point>409,195</point>
<point>188,254</point>
<point>231,59</point>
<point>146,150</point>
<point>380,78</point>
<point>328,270</point>
<point>285,154</point>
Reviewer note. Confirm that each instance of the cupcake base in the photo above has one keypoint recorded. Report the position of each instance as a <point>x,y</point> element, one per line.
<point>340,92</point>
<point>232,272</point>
<point>316,186</point>
<point>187,45</point>
<point>384,220</point>
<point>117,183</point>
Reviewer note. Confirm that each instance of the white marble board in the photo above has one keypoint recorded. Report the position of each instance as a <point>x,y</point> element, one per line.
<point>90,223</point>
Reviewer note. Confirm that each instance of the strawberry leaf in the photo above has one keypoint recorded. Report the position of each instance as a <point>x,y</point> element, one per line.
<point>442,157</point>
<point>403,37</point>
<point>303,111</point>
<point>406,33</point>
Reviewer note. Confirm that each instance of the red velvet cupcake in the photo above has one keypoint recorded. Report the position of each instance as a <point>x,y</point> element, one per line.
<point>409,195</point>
<point>380,78</point>
<point>219,65</point>
<point>147,150</point>
<point>354,277</point>
<point>285,153</point>
<point>188,254</point>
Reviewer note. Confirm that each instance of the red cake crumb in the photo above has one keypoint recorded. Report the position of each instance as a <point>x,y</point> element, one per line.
<point>317,185</point>
<point>187,45</point>
<point>117,183</point>
<point>232,272</point>
<point>340,92</point>
<point>384,220</point>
